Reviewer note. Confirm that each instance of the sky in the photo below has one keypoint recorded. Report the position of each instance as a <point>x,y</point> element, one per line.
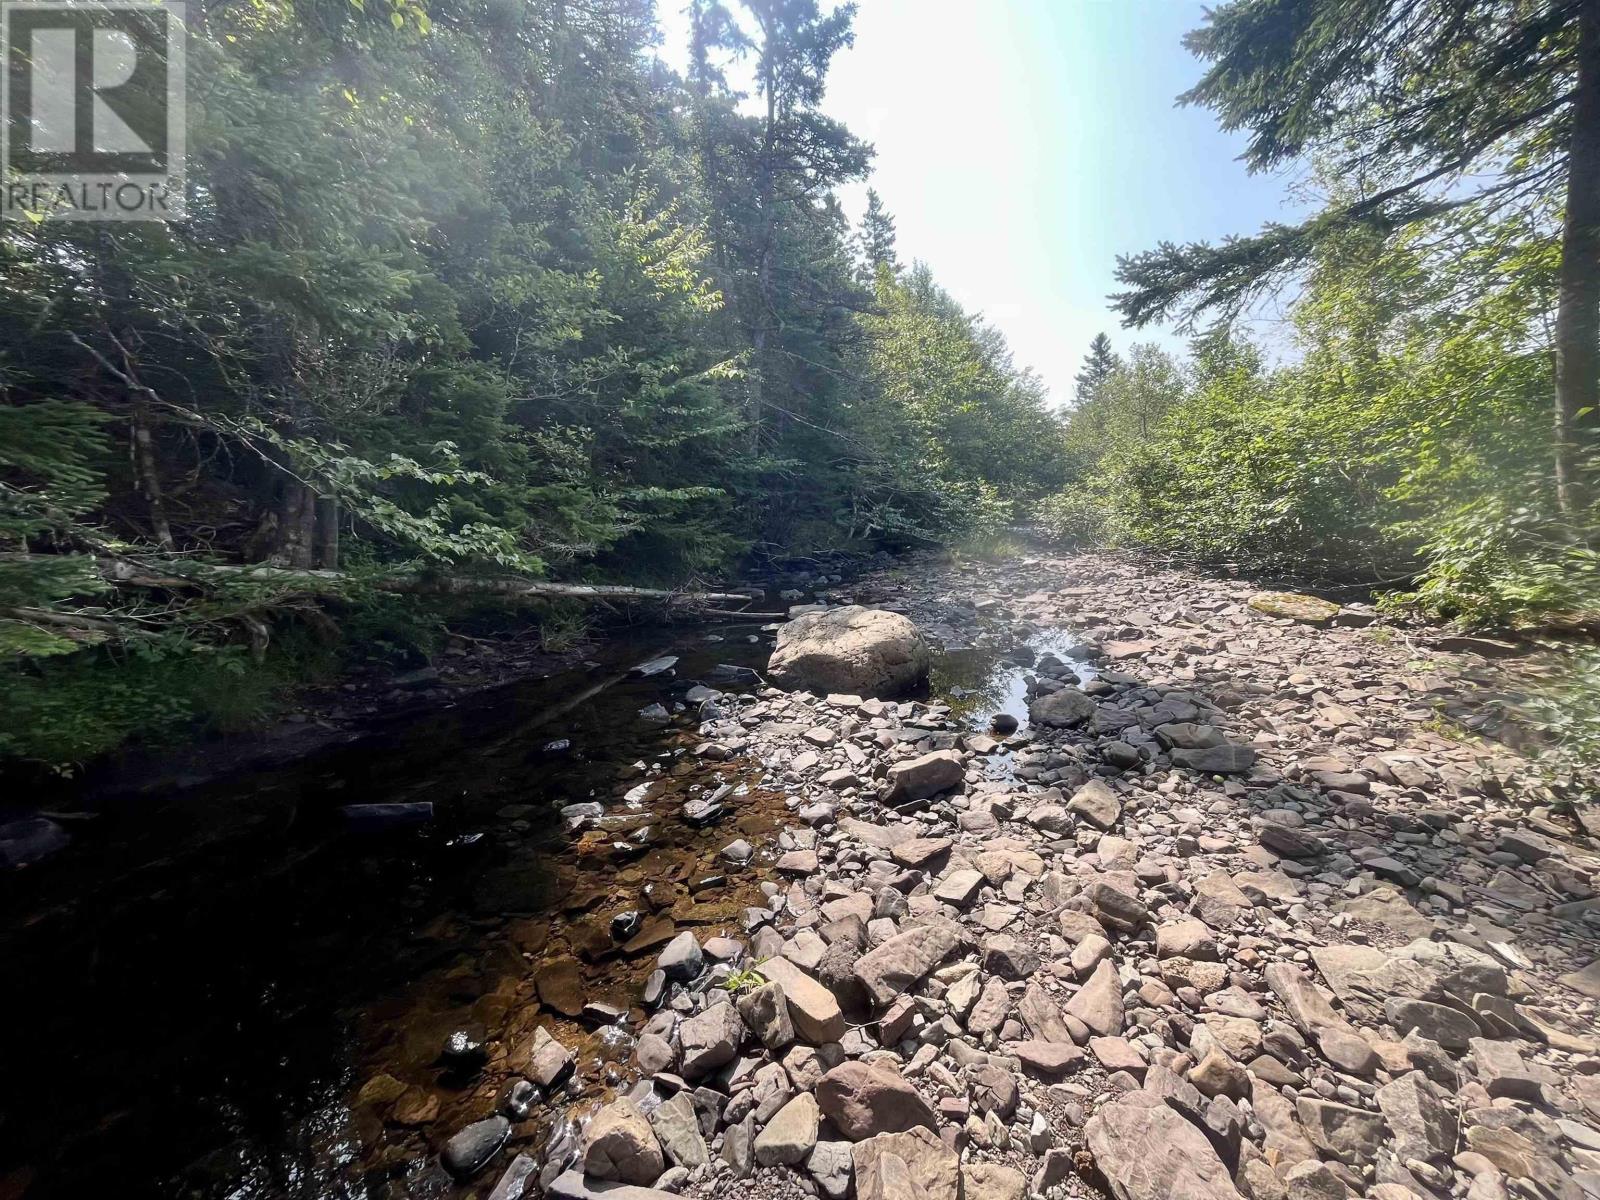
<point>1021,145</point>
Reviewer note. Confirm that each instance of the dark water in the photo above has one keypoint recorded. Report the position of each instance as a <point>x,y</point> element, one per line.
<point>183,1022</point>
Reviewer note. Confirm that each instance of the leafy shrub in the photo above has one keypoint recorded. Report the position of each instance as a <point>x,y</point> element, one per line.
<point>1076,518</point>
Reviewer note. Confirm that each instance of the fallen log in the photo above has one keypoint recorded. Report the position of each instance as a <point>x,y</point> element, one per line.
<point>410,582</point>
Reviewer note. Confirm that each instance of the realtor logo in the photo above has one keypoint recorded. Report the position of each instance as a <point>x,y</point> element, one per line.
<point>91,110</point>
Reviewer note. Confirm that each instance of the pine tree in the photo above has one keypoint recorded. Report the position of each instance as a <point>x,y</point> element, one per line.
<point>1098,365</point>
<point>876,238</point>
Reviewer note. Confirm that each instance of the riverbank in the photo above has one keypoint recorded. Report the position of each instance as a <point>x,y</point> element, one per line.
<point>1337,820</point>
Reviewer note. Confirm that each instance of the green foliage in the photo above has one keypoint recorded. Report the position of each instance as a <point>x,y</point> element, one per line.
<point>467,287</point>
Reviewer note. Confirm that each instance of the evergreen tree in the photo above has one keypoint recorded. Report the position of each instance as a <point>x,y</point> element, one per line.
<point>876,238</point>
<point>1098,365</point>
<point>1479,107</point>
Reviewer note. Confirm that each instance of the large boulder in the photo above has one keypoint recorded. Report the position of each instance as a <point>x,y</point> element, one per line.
<point>864,1100</point>
<point>855,650</point>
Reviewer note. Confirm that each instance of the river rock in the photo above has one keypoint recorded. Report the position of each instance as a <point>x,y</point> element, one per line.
<point>1186,938</point>
<point>619,1144</point>
<point>26,841</point>
<point>864,1100</point>
<point>572,1185</point>
<point>936,772</point>
<point>560,987</point>
<point>710,1039</point>
<point>790,1135</point>
<point>992,1181</point>
<point>813,1010</point>
<point>1450,1027</point>
<point>1146,1151</point>
<point>1295,606</point>
<point>864,651</point>
<point>677,1128</point>
<point>1098,1003</point>
<point>1097,804</point>
<point>682,957</point>
<point>1227,759</point>
<point>765,1011</point>
<point>1062,710</point>
<point>1311,1010</point>
<point>1352,1135</point>
<point>549,1062</point>
<point>1422,1126</point>
<point>914,1165</point>
<point>900,963</point>
<point>469,1150</point>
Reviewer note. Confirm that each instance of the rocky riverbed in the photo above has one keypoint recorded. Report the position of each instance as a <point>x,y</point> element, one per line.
<point>1157,892</point>
<point>1227,916</point>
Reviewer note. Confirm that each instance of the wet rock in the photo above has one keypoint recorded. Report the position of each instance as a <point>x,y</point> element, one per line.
<point>32,839</point>
<point>549,1062</point>
<point>464,1050</point>
<point>865,1100</point>
<point>359,818</point>
<point>469,1150</point>
<point>1062,710</point>
<point>682,958</point>
<point>1003,724</point>
<point>864,651</point>
<point>560,987</point>
<point>518,1180</point>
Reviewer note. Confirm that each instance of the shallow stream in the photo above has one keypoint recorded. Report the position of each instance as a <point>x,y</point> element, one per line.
<point>190,1015</point>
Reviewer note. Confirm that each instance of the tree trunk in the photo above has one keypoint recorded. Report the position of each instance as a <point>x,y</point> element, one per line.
<point>296,526</point>
<point>146,477</point>
<point>328,533</point>
<point>1577,333</point>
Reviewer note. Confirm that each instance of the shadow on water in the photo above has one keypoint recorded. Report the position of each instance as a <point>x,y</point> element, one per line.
<point>187,1014</point>
<point>196,1023</point>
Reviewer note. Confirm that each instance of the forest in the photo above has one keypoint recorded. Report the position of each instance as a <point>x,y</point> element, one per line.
<point>480,289</point>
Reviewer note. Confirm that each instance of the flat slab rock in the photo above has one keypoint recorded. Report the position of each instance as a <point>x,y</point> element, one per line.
<point>1147,1151</point>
